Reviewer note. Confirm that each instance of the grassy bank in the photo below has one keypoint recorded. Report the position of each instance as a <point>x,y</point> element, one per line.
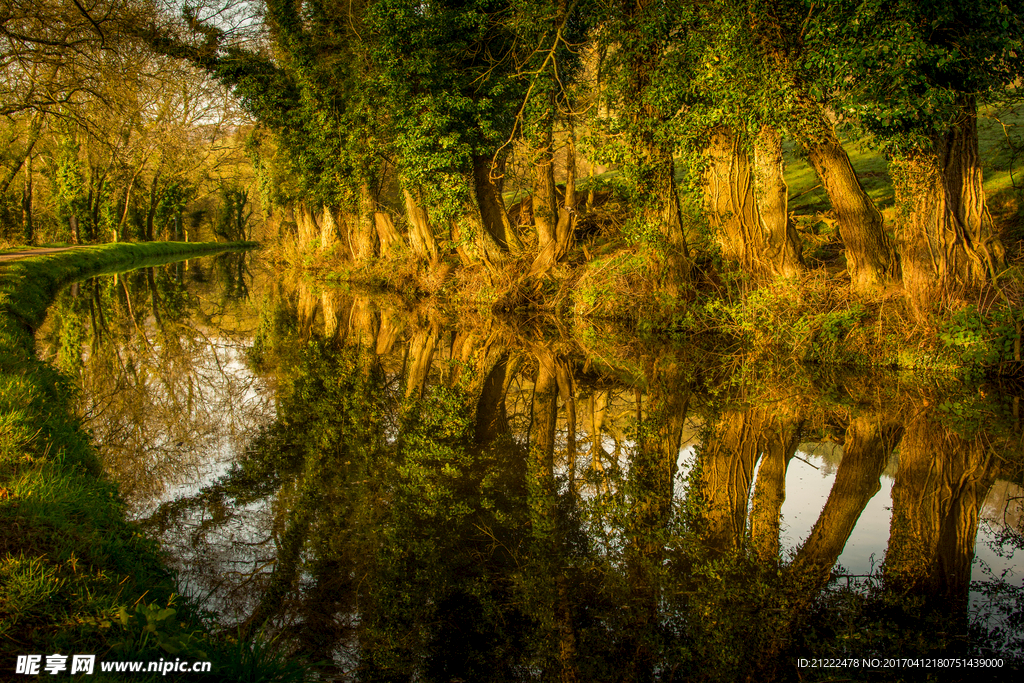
<point>75,576</point>
<point>815,318</point>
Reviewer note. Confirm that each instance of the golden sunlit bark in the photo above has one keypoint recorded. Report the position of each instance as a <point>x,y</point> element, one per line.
<point>746,204</point>
<point>421,234</point>
<point>948,244</point>
<point>870,254</point>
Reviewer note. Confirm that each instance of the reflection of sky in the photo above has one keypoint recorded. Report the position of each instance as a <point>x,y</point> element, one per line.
<point>217,559</point>
<point>808,482</point>
<point>236,387</point>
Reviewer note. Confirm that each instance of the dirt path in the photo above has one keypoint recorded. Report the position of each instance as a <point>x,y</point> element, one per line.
<point>15,255</point>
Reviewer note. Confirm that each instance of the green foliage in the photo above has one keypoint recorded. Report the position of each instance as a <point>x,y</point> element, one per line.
<point>432,455</point>
<point>618,282</point>
<point>69,185</point>
<point>151,626</point>
<point>260,660</point>
<point>233,221</point>
<point>175,197</point>
<point>903,69</point>
<point>30,589</point>
<point>983,339</point>
<point>835,325</point>
<point>810,321</point>
<point>448,77</point>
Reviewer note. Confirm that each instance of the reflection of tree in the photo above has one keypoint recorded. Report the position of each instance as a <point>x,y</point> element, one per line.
<point>869,442</point>
<point>728,459</point>
<point>330,428</point>
<point>941,483</point>
<point>550,555</point>
<point>163,387</point>
<point>439,503</point>
<point>650,495</point>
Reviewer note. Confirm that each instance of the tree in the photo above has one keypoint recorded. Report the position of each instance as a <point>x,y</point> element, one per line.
<point>799,103</point>
<point>652,48</point>
<point>913,75</point>
<point>125,139</point>
<point>728,121</point>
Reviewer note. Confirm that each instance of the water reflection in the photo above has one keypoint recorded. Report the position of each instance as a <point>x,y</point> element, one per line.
<point>461,498</point>
<point>159,356</point>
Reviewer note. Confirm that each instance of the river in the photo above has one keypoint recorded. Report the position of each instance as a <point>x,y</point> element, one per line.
<point>408,491</point>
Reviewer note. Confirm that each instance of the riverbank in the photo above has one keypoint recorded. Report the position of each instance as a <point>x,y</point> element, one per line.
<point>75,576</point>
<point>816,317</point>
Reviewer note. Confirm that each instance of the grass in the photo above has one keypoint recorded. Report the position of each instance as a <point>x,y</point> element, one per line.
<point>75,576</point>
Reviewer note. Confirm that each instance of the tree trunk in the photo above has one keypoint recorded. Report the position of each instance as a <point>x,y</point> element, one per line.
<point>651,159</point>
<point>491,205</point>
<point>554,223</point>
<point>387,332</point>
<point>91,225</point>
<point>362,327</point>
<point>658,207</point>
<point>421,235</point>
<point>119,235</point>
<point>870,254</point>
<point>307,228</point>
<point>662,209</point>
<point>747,206</point>
<point>95,204</point>
<point>388,236</point>
<point>151,212</point>
<point>566,231</point>
<point>336,307</point>
<point>481,248</point>
<point>330,235</point>
<point>545,209</point>
<point>781,243</point>
<point>946,239</point>
<point>26,204</point>
<point>361,228</point>
<point>567,392</point>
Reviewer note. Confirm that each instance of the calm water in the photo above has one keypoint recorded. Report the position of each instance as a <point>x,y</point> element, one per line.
<point>419,494</point>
